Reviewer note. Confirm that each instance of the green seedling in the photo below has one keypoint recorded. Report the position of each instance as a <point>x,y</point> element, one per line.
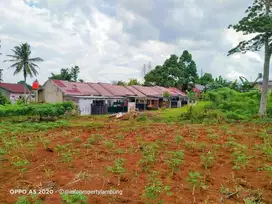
<point>73,199</point>
<point>109,144</point>
<point>189,145</point>
<point>240,159</point>
<point>119,151</point>
<point>118,168</point>
<point>95,139</point>
<point>178,139</point>
<point>195,180</point>
<point>207,160</point>
<point>155,189</point>
<point>175,160</point>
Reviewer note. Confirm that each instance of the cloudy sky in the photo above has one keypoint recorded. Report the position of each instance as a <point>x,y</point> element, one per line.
<point>112,39</point>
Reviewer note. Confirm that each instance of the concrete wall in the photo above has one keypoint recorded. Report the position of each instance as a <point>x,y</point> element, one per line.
<point>5,93</point>
<point>50,93</point>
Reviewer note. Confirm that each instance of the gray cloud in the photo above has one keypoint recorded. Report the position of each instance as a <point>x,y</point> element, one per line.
<point>111,40</point>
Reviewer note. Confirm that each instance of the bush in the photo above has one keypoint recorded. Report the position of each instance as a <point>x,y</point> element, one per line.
<point>36,110</point>
<point>226,104</point>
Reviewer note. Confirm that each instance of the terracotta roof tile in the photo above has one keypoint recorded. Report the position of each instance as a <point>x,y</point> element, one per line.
<point>14,88</point>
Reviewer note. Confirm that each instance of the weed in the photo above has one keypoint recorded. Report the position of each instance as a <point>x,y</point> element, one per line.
<point>20,163</point>
<point>74,198</point>
<point>207,160</point>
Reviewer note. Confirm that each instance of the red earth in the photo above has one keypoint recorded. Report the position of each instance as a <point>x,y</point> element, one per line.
<point>66,158</point>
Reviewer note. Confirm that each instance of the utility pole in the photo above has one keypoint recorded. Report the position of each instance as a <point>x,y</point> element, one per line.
<point>201,72</point>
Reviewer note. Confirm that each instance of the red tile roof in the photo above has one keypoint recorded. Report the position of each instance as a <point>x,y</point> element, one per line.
<point>135,91</point>
<point>14,88</point>
<point>148,91</point>
<point>100,89</point>
<point>110,90</point>
<point>75,88</point>
<point>117,90</point>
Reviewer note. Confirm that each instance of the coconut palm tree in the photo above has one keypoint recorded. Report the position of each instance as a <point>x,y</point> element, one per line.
<point>23,62</point>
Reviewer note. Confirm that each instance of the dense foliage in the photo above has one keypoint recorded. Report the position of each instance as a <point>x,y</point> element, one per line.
<point>68,74</point>
<point>3,99</point>
<point>36,110</point>
<point>226,104</point>
<point>257,23</point>
<point>176,71</point>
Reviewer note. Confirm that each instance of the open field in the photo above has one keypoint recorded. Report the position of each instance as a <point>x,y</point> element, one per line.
<point>149,161</point>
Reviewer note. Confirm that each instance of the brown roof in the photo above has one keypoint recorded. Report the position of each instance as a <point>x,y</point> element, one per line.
<point>148,91</point>
<point>14,88</point>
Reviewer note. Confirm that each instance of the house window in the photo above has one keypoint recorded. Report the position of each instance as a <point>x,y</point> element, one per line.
<point>153,102</point>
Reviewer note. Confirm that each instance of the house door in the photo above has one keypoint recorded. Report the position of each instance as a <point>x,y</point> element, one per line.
<point>84,106</point>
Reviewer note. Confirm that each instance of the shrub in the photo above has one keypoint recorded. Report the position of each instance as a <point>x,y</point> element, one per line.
<point>36,110</point>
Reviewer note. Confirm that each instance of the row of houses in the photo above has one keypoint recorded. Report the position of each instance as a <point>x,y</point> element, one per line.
<point>102,98</point>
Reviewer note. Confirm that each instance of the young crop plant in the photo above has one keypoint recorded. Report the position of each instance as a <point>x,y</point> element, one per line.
<point>95,139</point>
<point>207,159</point>
<point>150,151</point>
<point>240,159</point>
<point>175,160</point>
<point>195,180</point>
<point>267,168</point>
<point>21,164</point>
<point>178,139</point>
<point>109,144</point>
<point>202,146</point>
<point>118,168</point>
<point>155,189</point>
<point>214,136</point>
<point>32,199</point>
<point>119,151</point>
<point>190,145</point>
<point>73,199</point>
<point>66,157</point>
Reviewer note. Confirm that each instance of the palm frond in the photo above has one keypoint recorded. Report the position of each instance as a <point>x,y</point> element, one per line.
<point>36,59</point>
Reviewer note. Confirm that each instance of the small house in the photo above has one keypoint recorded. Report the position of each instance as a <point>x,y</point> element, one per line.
<point>13,92</point>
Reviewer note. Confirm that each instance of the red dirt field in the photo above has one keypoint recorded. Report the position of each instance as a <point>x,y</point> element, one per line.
<point>77,157</point>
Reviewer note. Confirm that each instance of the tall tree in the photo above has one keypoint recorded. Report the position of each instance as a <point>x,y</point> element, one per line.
<point>189,70</point>
<point>64,75</point>
<point>174,72</point>
<point>258,21</point>
<point>206,79</point>
<point>23,62</point>
<point>74,73</point>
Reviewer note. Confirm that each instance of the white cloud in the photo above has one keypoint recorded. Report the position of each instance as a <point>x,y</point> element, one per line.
<point>66,32</point>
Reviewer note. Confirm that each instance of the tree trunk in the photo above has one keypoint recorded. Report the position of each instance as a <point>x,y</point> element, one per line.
<point>267,57</point>
<point>24,88</point>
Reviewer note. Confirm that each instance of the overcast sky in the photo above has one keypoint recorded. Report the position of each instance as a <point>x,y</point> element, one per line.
<point>112,39</point>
